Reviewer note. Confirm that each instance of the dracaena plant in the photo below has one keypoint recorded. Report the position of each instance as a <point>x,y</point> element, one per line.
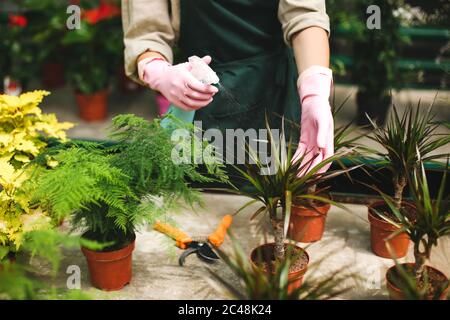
<point>256,284</point>
<point>405,139</point>
<point>289,180</point>
<point>432,220</point>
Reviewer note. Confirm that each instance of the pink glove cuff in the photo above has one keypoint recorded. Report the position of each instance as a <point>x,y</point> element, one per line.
<point>315,81</point>
<point>144,64</point>
<point>152,71</point>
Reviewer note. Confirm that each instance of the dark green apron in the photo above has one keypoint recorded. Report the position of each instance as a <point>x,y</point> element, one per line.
<point>256,68</point>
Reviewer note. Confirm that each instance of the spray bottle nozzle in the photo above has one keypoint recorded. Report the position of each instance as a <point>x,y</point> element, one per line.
<point>202,72</point>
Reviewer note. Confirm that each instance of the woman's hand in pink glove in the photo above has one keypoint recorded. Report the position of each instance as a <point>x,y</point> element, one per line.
<point>176,83</point>
<point>317,125</point>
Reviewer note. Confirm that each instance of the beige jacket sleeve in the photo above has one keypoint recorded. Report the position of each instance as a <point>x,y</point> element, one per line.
<point>153,25</point>
<point>297,15</point>
<point>147,26</point>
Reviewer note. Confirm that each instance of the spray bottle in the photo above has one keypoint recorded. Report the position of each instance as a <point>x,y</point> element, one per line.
<point>203,73</point>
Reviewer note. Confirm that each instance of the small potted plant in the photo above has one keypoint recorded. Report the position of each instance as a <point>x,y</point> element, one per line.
<point>258,285</point>
<point>307,223</point>
<point>111,191</point>
<point>94,58</point>
<point>277,188</point>
<point>431,222</point>
<point>404,140</point>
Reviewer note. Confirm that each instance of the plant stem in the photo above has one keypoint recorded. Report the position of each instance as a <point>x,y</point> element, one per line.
<point>279,239</point>
<point>399,186</point>
<point>311,190</point>
<point>420,258</point>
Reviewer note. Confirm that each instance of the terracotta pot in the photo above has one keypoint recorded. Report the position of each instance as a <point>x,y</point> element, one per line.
<point>53,75</point>
<point>110,271</point>
<point>397,294</point>
<point>93,107</point>
<point>307,225</point>
<point>295,278</point>
<point>380,230</point>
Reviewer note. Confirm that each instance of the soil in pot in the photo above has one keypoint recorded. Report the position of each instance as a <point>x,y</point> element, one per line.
<point>380,230</point>
<point>110,269</point>
<point>93,107</point>
<point>297,269</point>
<point>307,224</point>
<point>436,279</point>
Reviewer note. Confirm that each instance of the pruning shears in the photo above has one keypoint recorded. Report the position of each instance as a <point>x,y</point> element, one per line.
<point>199,245</point>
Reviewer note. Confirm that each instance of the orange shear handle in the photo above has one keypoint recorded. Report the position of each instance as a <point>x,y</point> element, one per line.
<point>182,239</point>
<point>217,237</point>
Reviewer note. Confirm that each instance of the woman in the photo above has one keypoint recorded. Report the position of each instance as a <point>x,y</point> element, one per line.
<point>270,54</point>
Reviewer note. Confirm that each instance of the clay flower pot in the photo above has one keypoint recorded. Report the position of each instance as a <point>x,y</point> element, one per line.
<point>266,250</point>
<point>380,230</point>
<point>53,75</point>
<point>396,294</point>
<point>306,224</point>
<point>93,107</point>
<point>110,271</point>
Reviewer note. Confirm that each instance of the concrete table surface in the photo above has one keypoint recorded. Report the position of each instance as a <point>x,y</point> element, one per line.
<point>156,274</point>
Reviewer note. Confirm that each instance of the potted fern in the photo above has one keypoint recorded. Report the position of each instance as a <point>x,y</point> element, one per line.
<point>404,140</point>
<point>111,191</point>
<point>308,218</point>
<point>277,188</point>
<point>431,222</point>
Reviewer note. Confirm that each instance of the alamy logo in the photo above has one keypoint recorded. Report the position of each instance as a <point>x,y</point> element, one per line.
<point>374,20</point>
<point>74,279</point>
<point>74,20</point>
<point>236,147</point>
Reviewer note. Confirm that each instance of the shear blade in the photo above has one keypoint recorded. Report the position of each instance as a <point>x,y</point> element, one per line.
<point>206,253</point>
<point>185,254</point>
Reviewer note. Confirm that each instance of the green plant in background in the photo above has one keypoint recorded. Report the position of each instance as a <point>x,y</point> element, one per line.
<point>406,140</point>
<point>47,20</point>
<point>18,280</point>
<point>94,57</point>
<point>256,284</point>
<point>283,184</point>
<point>432,222</point>
<point>375,55</point>
<point>17,59</point>
<point>112,190</point>
<point>23,133</point>
<point>431,13</point>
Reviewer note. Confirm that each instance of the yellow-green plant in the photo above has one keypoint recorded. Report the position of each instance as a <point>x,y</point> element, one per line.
<point>17,216</point>
<point>23,133</point>
<point>24,128</point>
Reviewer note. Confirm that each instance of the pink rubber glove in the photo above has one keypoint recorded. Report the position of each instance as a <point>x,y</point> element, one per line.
<point>317,125</point>
<point>176,83</point>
